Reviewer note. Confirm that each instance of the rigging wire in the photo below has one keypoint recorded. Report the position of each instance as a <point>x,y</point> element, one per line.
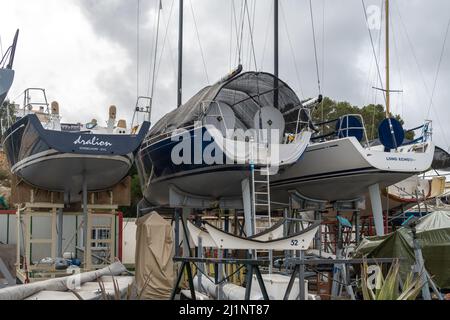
<point>231,36</point>
<point>266,37</point>
<point>399,67</point>
<point>164,44</point>
<point>370,95</point>
<point>199,42</point>
<point>246,49</point>
<point>315,45</point>
<point>438,69</point>
<point>236,28</point>
<point>297,69</point>
<point>420,70</point>
<point>380,38</point>
<point>323,59</point>
<point>138,26</point>
<point>251,32</point>
<point>251,23</point>
<point>151,53</point>
<point>241,40</point>
<point>373,47</point>
<point>155,56</point>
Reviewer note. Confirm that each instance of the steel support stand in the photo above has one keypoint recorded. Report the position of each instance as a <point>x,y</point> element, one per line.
<point>177,232</point>
<point>85,220</point>
<point>177,283</point>
<point>248,282</point>
<point>377,209</point>
<point>191,281</point>
<point>60,233</point>
<point>291,282</point>
<point>261,283</point>
<point>420,269</point>
<point>301,277</point>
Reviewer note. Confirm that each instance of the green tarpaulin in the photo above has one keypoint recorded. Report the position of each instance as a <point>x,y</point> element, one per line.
<point>433,233</point>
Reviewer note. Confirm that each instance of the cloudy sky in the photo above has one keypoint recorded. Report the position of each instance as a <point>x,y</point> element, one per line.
<point>86,53</point>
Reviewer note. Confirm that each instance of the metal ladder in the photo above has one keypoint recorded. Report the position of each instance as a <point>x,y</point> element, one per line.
<point>261,199</point>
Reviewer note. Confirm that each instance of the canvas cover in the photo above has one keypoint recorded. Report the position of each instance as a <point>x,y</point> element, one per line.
<point>154,253</point>
<point>245,94</point>
<point>433,233</point>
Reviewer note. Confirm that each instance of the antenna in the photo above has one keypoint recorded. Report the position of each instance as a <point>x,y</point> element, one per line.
<point>388,93</point>
<point>180,56</point>
<point>13,51</point>
<point>276,53</point>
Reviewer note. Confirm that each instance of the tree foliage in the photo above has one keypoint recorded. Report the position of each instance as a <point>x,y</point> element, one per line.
<point>372,114</point>
<point>136,194</point>
<point>4,114</point>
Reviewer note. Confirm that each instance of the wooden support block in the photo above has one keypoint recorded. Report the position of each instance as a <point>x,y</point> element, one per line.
<point>102,241</point>
<point>18,237</point>
<point>21,192</point>
<point>41,241</point>
<point>27,236</point>
<point>119,195</point>
<point>102,207</point>
<point>88,244</point>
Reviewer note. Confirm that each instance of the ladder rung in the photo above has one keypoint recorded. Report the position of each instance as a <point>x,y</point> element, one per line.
<point>266,193</point>
<point>259,181</point>
<point>262,204</point>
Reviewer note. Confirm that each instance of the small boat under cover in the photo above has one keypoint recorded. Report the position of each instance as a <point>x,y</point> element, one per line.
<point>216,238</point>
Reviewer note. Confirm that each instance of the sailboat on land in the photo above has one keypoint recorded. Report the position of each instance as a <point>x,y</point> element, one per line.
<point>420,188</point>
<point>65,157</point>
<point>6,69</point>
<point>233,115</point>
<point>344,166</point>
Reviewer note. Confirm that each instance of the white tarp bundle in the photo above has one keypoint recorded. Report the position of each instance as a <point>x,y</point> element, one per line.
<point>22,292</point>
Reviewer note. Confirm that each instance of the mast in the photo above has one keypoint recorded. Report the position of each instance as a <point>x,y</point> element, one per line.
<point>13,51</point>
<point>388,92</point>
<point>180,56</point>
<point>276,53</point>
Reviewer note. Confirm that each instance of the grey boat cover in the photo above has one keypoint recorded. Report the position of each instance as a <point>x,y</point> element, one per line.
<point>433,232</point>
<point>246,94</point>
<point>6,81</point>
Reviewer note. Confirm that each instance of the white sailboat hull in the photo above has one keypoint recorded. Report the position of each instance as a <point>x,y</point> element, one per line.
<point>343,170</point>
